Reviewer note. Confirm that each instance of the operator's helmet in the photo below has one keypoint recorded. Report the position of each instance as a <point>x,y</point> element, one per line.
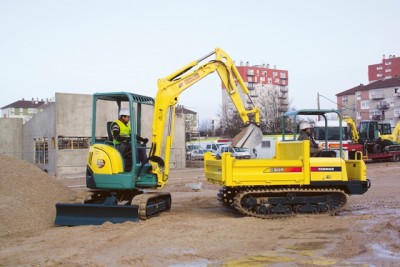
<point>124,112</point>
<point>304,125</point>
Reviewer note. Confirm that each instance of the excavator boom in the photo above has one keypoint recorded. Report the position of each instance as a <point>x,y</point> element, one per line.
<point>169,90</point>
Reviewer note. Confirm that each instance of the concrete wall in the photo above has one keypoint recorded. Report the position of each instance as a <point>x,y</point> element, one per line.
<point>42,125</point>
<point>11,137</point>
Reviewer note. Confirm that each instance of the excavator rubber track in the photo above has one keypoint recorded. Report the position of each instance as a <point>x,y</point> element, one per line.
<point>108,209</point>
<point>152,203</point>
<point>272,203</point>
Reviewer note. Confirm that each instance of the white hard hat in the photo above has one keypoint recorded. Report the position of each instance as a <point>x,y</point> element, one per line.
<point>124,112</point>
<point>304,125</point>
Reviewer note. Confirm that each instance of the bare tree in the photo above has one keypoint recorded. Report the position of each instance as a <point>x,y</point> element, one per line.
<point>231,123</point>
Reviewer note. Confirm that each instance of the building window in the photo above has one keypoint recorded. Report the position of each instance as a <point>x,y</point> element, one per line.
<point>388,63</point>
<point>388,70</point>
<point>388,77</point>
<point>41,150</point>
<point>365,104</point>
<point>379,68</point>
<point>379,75</point>
<point>358,115</point>
<point>344,100</point>
<point>266,144</point>
<point>358,95</point>
<point>73,142</point>
<point>283,75</point>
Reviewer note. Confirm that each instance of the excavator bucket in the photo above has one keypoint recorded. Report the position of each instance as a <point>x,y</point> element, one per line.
<point>249,137</point>
<point>68,214</point>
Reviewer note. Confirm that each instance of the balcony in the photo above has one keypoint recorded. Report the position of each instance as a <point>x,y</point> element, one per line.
<point>377,117</point>
<point>282,96</point>
<point>284,89</point>
<point>377,96</point>
<point>383,105</point>
<point>282,109</point>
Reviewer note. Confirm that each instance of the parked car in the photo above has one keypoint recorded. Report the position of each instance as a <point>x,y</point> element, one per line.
<point>241,153</point>
<point>197,154</point>
<point>237,152</point>
<point>190,148</point>
<point>213,147</point>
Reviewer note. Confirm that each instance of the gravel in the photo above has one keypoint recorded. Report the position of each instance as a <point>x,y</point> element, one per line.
<point>28,197</point>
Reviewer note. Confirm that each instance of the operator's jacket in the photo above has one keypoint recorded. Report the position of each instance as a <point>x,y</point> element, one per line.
<point>121,132</point>
<point>313,146</point>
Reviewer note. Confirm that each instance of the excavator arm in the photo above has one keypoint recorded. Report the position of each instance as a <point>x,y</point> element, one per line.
<point>169,90</point>
<point>352,124</point>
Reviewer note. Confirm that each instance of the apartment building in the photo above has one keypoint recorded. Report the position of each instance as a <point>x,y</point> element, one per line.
<point>378,100</point>
<point>387,69</point>
<point>24,109</point>
<point>269,90</point>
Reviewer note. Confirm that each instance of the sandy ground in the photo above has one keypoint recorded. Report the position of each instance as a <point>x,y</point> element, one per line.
<point>198,232</point>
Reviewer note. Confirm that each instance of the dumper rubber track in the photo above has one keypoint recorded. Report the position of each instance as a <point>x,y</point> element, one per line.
<point>152,203</point>
<point>226,196</point>
<point>270,203</point>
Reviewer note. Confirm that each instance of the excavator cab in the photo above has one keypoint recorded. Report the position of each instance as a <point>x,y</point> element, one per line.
<point>116,182</point>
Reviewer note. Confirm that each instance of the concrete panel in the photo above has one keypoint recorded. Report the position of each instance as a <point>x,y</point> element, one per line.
<point>73,114</point>
<point>11,137</point>
<point>42,125</point>
<point>71,162</point>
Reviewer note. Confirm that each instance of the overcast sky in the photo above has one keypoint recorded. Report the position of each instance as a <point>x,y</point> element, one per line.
<point>78,46</point>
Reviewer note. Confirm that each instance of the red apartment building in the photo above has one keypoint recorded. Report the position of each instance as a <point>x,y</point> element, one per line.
<point>268,89</point>
<point>389,68</point>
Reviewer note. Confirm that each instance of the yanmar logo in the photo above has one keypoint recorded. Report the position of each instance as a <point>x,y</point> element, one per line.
<point>326,169</point>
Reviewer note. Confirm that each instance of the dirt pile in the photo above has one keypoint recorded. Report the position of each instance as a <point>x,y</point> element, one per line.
<point>27,197</point>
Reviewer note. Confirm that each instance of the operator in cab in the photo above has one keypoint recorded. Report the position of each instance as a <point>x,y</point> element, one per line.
<point>121,132</point>
<point>305,134</point>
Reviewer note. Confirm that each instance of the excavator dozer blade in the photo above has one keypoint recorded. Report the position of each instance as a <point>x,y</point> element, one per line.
<point>249,137</point>
<point>68,214</point>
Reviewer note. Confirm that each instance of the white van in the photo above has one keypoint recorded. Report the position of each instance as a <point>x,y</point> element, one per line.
<point>213,147</point>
